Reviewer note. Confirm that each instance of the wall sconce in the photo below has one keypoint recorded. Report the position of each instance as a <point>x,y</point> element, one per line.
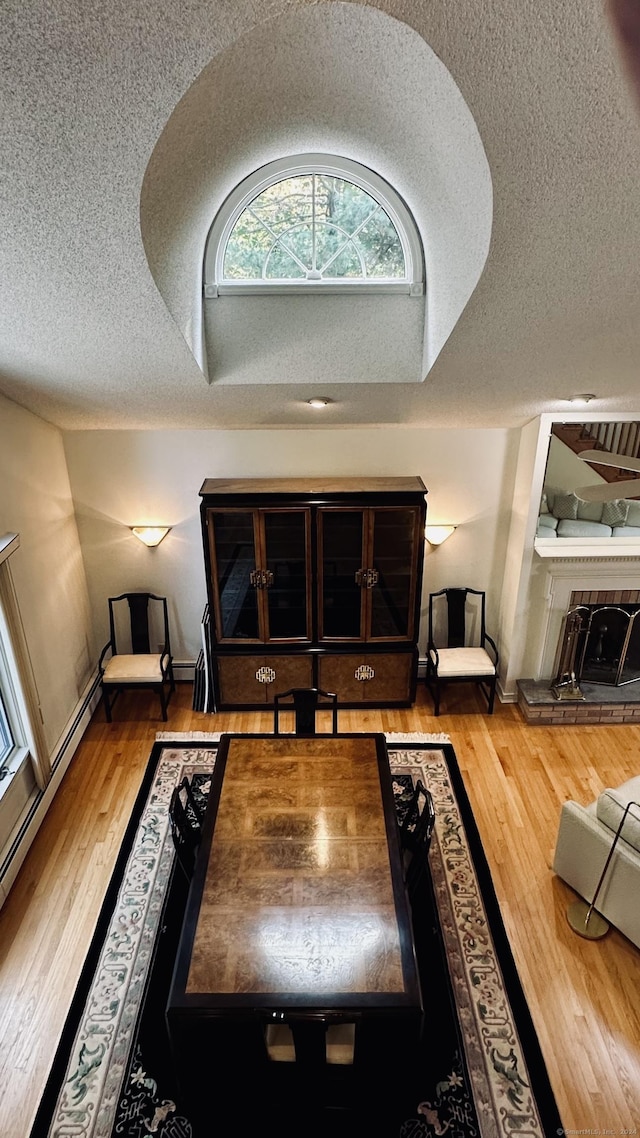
<point>435,535</point>
<point>150,535</point>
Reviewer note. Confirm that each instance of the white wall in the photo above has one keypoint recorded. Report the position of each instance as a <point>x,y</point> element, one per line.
<point>48,575</point>
<point>119,478</point>
<point>47,569</point>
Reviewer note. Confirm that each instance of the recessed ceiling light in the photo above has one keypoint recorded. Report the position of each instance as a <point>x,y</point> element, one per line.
<point>581,399</point>
<point>318,401</point>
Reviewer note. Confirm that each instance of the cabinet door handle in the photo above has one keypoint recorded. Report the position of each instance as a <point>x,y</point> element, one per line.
<point>261,578</point>
<point>367,578</point>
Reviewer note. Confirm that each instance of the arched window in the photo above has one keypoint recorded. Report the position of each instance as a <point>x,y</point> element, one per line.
<point>315,222</point>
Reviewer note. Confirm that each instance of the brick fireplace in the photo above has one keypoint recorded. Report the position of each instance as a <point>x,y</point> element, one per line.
<point>568,587</point>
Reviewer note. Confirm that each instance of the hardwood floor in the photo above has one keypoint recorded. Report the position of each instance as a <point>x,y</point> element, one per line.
<point>584,996</point>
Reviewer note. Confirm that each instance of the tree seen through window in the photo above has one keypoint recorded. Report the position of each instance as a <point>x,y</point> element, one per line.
<point>314,227</point>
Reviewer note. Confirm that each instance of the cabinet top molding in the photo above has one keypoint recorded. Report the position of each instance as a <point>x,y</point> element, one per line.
<point>317,485</point>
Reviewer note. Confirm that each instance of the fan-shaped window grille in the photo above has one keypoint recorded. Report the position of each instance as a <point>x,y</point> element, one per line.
<point>313,224</point>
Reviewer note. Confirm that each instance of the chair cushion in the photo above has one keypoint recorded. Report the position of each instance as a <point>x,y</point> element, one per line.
<point>611,806</point>
<point>137,669</point>
<point>458,662</point>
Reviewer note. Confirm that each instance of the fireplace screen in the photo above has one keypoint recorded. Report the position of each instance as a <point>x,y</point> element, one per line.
<point>608,644</point>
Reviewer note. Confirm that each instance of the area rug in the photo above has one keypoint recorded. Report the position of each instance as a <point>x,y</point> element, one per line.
<point>478,1072</point>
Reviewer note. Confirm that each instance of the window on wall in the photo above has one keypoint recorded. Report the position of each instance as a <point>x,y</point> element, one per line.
<point>316,222</point>
<point>7,741</point>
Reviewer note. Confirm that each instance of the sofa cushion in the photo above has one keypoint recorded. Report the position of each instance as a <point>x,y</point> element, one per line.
<point>547,521</point>
<point>633,514</point>
<point>611,806</point>
<point>615,513</point>
<point>583,529</point>
<point>626,531</point>
<point>565,506</point>
<point>591,512</point>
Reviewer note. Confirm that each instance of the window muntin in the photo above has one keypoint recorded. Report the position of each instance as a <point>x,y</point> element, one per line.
<point>314,226</point>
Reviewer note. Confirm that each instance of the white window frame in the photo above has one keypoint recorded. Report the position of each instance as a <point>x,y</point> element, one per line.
<point>381,192</point>
<point>10,715</point>
<point>29,742</point>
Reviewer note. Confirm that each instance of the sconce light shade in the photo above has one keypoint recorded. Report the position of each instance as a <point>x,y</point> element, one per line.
<point>150,535</point>
<point>435,535</point>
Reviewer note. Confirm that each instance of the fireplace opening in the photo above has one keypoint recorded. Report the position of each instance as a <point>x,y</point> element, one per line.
<point>607,647</point>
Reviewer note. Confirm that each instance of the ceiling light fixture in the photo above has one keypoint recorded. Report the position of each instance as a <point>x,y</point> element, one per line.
<point>150,535</point>
<point>318,401</point>
<point>581,400</point>
<point>435,535</point>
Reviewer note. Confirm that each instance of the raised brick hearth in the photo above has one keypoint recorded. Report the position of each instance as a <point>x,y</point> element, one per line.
<point>602,704</point>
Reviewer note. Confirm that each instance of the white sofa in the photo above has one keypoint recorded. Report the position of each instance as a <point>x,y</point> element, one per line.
<point>585,838</point>
<point>563,514</point>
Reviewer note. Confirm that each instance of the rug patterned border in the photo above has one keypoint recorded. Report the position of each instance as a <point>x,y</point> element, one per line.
<point>497,1070</point>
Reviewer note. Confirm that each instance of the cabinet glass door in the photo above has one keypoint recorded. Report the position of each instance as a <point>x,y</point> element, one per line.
<point>286,555</point>
<point>233,557</point>
<point>392,597</point>
<point>341,603</point>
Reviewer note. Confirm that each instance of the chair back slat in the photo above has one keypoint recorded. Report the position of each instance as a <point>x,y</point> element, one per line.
<point>186,824</point>
<point>305,702</point>
<point>139,609</point>
<point>456,602</point>
<point>416,832</point>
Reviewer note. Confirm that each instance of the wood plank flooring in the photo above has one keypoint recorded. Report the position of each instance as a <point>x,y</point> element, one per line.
<point>584,996</point>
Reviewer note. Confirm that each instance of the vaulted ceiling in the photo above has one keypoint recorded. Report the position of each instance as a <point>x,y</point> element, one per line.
<point>125,125</point>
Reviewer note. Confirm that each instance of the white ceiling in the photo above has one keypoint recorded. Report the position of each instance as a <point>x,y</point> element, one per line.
<point>86,96</point>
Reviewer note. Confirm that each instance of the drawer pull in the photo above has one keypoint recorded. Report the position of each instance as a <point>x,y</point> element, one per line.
<point>265,675</point>
<point>364,672</point>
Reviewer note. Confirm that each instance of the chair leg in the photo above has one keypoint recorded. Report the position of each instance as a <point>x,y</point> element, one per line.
<point>107,704</point>
<point>436,698</point>
<point>163,701</point>
<point>492,695</point>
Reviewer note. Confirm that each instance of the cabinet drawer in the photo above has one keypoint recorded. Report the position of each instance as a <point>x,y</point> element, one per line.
<point>256,679</point>
<point>368,677</point>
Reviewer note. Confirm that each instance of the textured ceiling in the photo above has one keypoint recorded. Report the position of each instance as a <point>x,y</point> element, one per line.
<point>86,93</point>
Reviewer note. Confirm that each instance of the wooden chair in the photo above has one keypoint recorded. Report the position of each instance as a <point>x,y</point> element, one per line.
<point>136,620</point>
<point>305,703</point>
<point>416,832</point>
<point>469,655</point>
<point>186,825</point>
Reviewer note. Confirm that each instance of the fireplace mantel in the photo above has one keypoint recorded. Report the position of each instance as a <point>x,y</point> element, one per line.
<point>588,548</point>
